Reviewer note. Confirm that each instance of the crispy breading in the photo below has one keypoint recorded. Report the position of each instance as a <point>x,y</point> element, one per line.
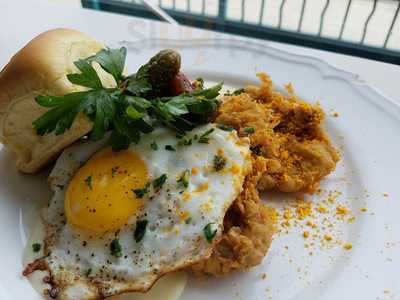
<point>291,153</point>
<point>287,132</point>
<point>248,230</point>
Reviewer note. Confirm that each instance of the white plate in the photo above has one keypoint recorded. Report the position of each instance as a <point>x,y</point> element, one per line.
<point>367,132</point>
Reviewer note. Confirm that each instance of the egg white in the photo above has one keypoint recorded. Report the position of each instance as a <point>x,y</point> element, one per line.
<point>169,287</point>
<point>169,243</point>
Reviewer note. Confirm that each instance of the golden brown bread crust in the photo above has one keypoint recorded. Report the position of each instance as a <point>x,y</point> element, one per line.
<point>40,68</point>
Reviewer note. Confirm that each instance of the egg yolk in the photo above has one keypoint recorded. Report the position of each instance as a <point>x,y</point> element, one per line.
<point>100,196</point>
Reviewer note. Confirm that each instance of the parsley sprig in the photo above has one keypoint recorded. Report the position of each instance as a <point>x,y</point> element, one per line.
<point>132,108</point>
<point>209,232</point>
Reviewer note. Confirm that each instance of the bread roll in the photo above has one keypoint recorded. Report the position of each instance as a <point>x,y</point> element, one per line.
<point>40,68</point>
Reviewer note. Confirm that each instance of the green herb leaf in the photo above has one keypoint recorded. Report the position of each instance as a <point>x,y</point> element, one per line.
<point>178,105</point>
<point>154,146</point>
<point>88,76</point>
<point>234,93</point>
<point>225,127</point>
<point>140,193</point>
<point>133,113</point>
<point>98,105</point>
<point>204,138</point>
<point>138,87</point>
<point>209,233</point>
<point>63,112</point>
<point>119,141</point>
<point>112,61</point>
<point>36,247</point>
<point>169,148</point>
<point>125,131</point>
<point>209,93</point>
<point>123,110</point>
<point>139,103</point>
<point>185,142</point>
<point>219,162</point>
<point>183,181</point>
<point>249,130</point>
<point>88,182</point>
<point>115,248</point>
<point>179,135</point>
<point>258,150</point>
<point>159,182</point>
<point>88,272</point>
<point>140,230</point>
<point>204,107</point>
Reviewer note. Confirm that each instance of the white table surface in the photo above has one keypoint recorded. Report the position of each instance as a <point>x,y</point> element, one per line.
<point>21,20</point>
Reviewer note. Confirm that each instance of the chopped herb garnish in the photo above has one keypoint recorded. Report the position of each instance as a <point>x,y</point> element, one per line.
<point>188,220</point>
<point>234,93</point>
<point>169,148</point>
<point>159,182</point>
<point>225,127</point>
<point>183,181</point>
<point>36,247</point>
<point>129,108</point>
<point>154,146</point>
<point>88,272</point>
<point>249,130</point>
<point>204,138</point>
<point>115,248</point>
<point>88,181</point>
<point>140,230</point>
<point>185,142</point>
<point>258,150</point>
<point>141,192</point>
<point>209,233</point>
<point>179,135</point>
<point>219,162</point>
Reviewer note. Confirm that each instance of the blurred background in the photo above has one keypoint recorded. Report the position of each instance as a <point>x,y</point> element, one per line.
<point>364,28</point>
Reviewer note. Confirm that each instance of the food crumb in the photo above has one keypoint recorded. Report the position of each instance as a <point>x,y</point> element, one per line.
<point>303,210</point>
<point>289,88</point>
<point>335,114</point>
<point>385,195</point>
<point>322,209</point>
<point>311,224</point>
<point>306,234</point>
<point>263,276</point>
<point>327,237</point>
<point>341,210</point>
<point>363,209</point>
<point>348,246</point>
<point>351,219</point>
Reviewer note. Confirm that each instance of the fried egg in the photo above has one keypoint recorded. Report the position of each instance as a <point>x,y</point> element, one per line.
<point>118,221</point>
<point>169,287</point>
